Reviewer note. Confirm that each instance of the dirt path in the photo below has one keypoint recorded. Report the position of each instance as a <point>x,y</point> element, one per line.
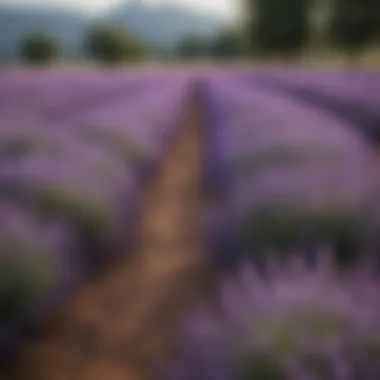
<point>118,325</point>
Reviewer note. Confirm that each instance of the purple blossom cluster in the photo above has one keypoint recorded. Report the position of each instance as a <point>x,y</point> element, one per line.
<point>134,129</point>
<point>285,175</point>
<point>294,323</point>
<point>39,266</point>
<point>74,151</point>
<point>352,95</point>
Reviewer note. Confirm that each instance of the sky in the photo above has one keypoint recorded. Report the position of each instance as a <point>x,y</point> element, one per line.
<point>221,7</point>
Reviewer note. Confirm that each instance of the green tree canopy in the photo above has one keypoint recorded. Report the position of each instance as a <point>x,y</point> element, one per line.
<point>228,44</point>
<point>38,48</point>
<point>278,27</point>
<point>193,47</point>
<point>353,24</point>
<point>112,45</point>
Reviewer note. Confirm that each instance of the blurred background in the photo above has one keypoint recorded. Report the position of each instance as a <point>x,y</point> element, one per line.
<point>84,32</point>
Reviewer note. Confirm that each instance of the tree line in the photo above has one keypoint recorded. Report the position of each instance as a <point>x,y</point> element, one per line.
<point>104,44</point>
<point>284,28</point>
<point>269,29</point>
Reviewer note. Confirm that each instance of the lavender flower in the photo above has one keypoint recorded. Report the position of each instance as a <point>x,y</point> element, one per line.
<point>290,174</point>
<point>117,141</point>
<point>70,190</point>
<point>19,142</point>
<point>296,323</point>
<point>35,260</point>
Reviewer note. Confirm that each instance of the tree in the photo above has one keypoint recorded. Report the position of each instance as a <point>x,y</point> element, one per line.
<point>39,48</point>
<point>228,45</point>
<point>278,27</point>
<point>111,45</point>
<point>193,47</point>
<point>353,25</point>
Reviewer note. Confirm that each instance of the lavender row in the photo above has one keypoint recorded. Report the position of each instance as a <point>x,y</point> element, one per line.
<point>352,95</point>
<point>61,97</point>
<point>82,172</point>
<point>285,319</point>
<point>40,267</point>
<point>284,176</point>
<point>294,323</point>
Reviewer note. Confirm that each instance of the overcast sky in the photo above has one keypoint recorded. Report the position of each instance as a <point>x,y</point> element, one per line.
<point>222,7</point>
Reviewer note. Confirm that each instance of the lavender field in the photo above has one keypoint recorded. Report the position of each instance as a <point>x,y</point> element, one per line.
<point>254,195</point>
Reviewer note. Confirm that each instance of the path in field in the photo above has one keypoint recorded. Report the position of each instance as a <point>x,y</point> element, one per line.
<point>120,323</point>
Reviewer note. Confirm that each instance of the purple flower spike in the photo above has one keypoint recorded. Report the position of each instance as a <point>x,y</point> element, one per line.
<point>295,323</point>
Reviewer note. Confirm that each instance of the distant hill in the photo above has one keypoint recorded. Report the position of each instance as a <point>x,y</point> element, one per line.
<point>165,24</point>
<point>159,26</point>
